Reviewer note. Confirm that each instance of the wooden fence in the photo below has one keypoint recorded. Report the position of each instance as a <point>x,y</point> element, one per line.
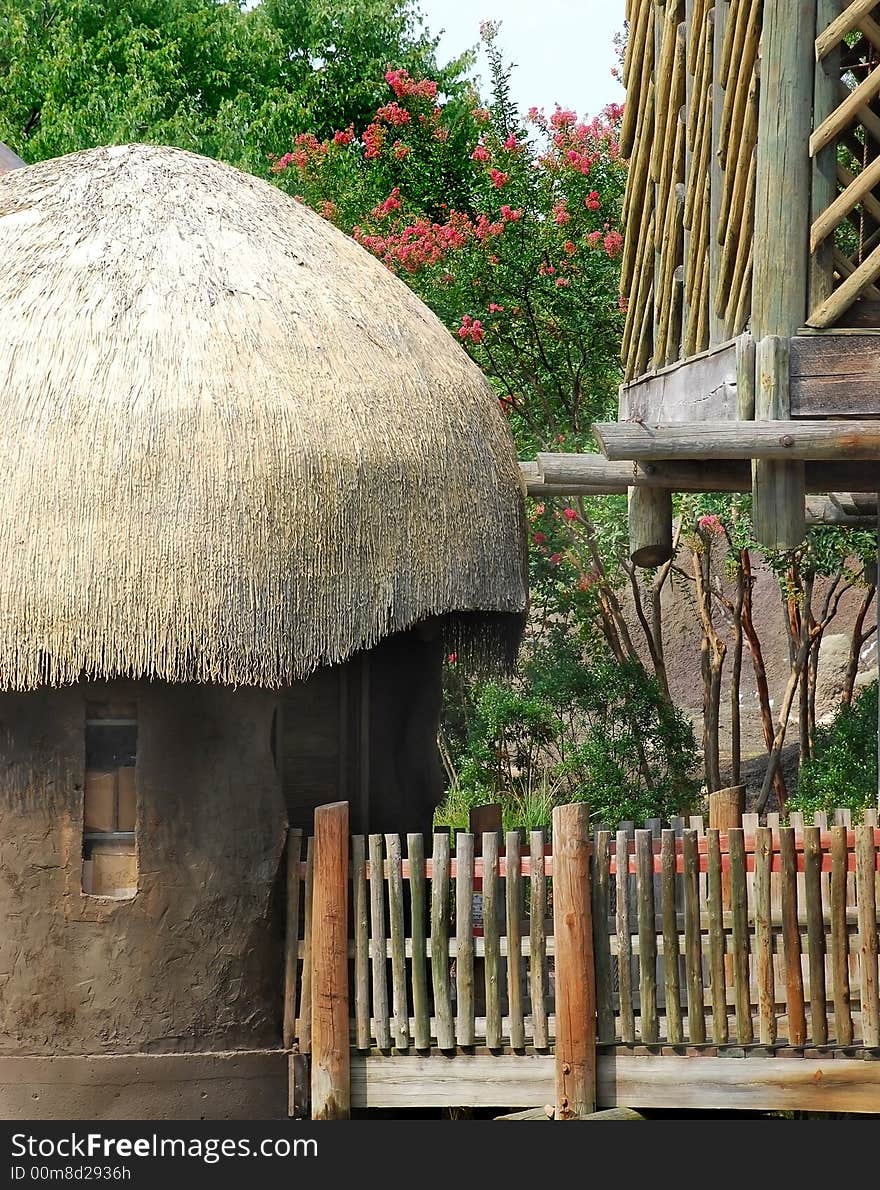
<point>491,979</point>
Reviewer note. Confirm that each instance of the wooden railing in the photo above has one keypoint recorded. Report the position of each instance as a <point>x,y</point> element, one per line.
<point>519,963</point>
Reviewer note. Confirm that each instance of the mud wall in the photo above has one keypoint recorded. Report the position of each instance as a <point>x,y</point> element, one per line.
<point>193,961</point>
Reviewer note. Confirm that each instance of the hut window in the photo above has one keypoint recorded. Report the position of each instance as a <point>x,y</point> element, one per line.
<point>110,800</point>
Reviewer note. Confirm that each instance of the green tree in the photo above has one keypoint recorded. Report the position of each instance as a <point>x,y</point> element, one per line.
<point>200,74</point>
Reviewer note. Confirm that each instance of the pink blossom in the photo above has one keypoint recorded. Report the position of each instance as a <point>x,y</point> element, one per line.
<point>555,559</point>
<point>481,115</point>
<point>711,523</point>
<point>570,514</point>
<point>560,212</point>
<point>393,113</point>
<point>591,202</point>
<point>509,215</point>
<point>539,538</point>
<point>344,137</point>
<point>498,178</point>
<point>480,153</point>
<point>540,509</point>
<point>613,243</point>
<point>471,328</point>
<point>494,308</point>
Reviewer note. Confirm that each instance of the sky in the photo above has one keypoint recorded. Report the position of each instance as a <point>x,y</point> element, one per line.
<point>563,49</point>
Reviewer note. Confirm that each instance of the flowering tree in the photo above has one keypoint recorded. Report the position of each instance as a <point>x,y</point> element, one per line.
<point>506,228</point>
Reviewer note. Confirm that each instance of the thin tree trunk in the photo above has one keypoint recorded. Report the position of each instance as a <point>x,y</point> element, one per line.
<point>857,640</point>
<point>758,665</point>
<point>782,723</point>
<point>736,680</point>
<point>713,651</point>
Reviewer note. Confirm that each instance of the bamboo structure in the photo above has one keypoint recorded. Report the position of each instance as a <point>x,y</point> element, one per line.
<point>751,254</point>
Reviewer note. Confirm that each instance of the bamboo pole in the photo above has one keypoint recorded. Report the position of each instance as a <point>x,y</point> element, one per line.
<point>825,174</point>
<point>331,1078</point>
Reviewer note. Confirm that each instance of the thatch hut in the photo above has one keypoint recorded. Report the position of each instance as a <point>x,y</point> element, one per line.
<point>251,492</point>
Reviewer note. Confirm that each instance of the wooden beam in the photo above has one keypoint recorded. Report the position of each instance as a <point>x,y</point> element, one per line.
<point>702,387</point>
<point>593,474</point>
<point>795,440</point>
<point>667,1081</point>
<point>835,375</point>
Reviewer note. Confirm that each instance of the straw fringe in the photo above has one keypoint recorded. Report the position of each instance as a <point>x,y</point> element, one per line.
<point>233,446</point>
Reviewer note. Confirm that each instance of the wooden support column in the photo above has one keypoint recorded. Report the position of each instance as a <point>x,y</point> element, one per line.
<point>575,970</point>
<point>782,219</point>
<point>650,525</point>
<point>331,1078</point>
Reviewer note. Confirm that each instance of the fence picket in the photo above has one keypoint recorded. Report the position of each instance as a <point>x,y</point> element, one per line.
<point>791,939</point>
<point>718,989</point>
<point>465,1025</point>
<point>291,935</point>
<point>740,913</point>
<point>415,853</point>
<point>398,942</point>
<point>492,935</point>
<point>360,920</point>
<point>843,1023</point>
<point>815,935</point>
<point>624,940</point>
<point>538,942</point>
<point>866,863</point>
<point>513,901</point>
<point>671,984</point>
<point>693,947</point>
<point>764,937</point>
<point>440,981</point>
<point>305,1011</point>
<point>378,948</point>
<point>648,1024</point>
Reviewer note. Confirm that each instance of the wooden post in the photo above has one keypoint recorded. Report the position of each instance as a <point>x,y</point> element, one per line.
<point>331,1082</point>
<point>575,973</point>
<point>726,807</point>
<point>725,811</point>
<point>650,526</point>
<point>781,248</point>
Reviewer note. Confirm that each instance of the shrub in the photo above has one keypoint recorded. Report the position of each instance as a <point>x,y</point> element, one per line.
<point>569,728</point>
<point>843,770</point>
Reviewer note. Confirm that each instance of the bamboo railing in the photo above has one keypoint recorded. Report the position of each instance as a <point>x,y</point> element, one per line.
<point>704,167</point>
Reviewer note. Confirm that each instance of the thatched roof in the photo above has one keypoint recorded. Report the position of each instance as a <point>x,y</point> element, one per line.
<point>233,446</point>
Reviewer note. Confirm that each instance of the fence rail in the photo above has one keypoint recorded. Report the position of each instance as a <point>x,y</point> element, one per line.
<point>754,940</point>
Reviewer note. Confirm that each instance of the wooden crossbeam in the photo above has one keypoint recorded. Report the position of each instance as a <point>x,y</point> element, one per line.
<point>796,440</point>
<point>593,474</point>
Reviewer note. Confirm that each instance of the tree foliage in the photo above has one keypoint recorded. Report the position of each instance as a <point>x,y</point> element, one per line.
<point>199,74</point>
